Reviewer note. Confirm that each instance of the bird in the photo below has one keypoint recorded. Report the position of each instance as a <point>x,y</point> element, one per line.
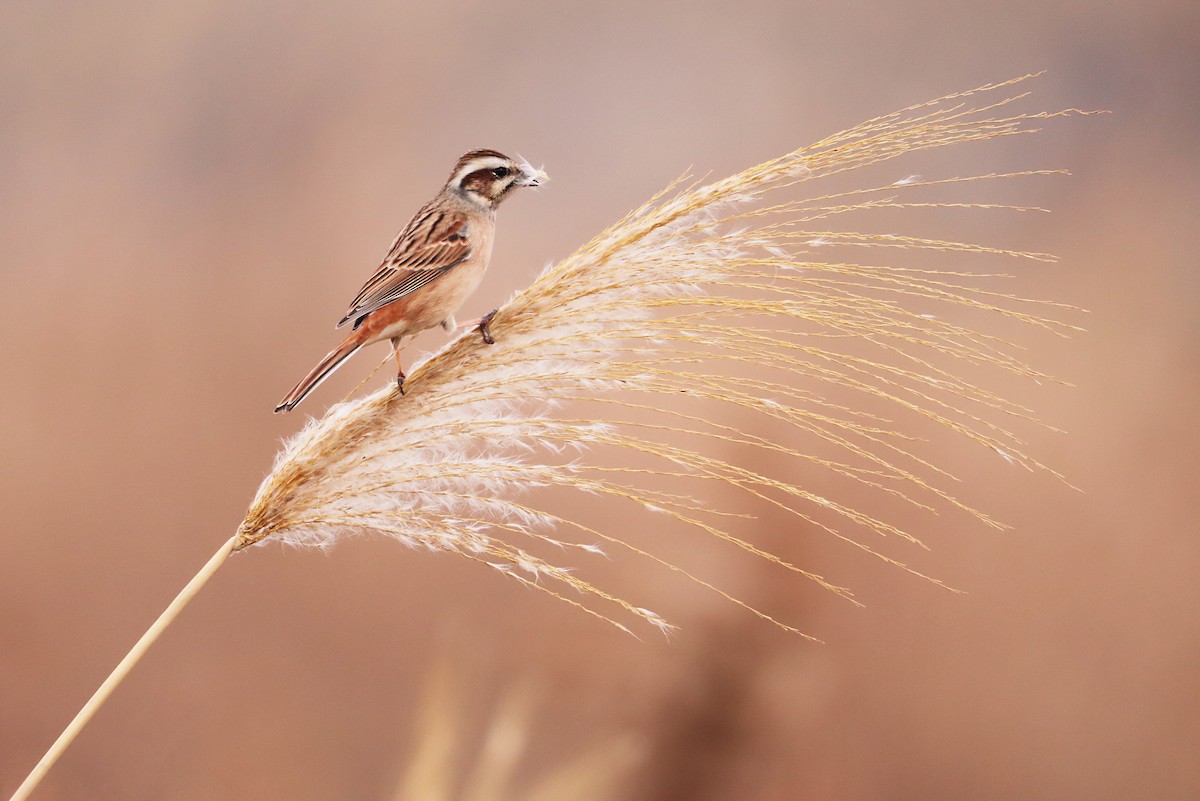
<point>433,264</point>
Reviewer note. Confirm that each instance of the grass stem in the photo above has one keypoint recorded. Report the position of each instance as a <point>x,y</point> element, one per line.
<point>122,670</point>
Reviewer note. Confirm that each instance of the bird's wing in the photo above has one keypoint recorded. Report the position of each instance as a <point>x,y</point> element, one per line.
<point>429,247</point>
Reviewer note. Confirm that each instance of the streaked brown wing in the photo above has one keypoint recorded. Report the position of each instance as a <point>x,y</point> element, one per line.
<point>429,247</point>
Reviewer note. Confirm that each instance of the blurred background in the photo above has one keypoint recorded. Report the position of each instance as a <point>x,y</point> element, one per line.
<point>191,192</point>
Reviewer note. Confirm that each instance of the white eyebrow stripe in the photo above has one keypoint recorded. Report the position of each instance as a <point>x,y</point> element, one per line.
<point>481,163</point>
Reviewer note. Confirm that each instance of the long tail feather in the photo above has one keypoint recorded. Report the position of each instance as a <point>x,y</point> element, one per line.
<point>332,361</point>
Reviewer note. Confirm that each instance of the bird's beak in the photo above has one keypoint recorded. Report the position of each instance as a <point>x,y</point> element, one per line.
<point>531,175</point>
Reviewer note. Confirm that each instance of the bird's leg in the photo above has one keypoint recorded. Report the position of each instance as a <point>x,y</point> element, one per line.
<point>485,327</point>
<point>399,367</point>
<point>449,324</point>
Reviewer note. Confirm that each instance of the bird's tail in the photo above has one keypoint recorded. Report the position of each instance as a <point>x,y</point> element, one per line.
<point>332,361</point>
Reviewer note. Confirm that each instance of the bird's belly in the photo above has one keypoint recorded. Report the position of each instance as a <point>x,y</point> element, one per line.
<point>428,306</point>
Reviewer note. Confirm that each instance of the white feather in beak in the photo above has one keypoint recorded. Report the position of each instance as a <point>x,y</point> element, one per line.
<point>531,175</point>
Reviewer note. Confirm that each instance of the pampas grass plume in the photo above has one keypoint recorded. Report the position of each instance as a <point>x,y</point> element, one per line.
<point>710,297</point>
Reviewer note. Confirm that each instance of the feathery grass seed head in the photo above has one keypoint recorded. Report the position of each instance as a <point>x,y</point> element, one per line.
<point>710,293</point>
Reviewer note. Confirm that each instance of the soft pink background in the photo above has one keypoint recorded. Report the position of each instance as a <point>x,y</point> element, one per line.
<point>189,193</point>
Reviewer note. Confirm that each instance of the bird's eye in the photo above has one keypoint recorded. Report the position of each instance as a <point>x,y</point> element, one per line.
<point>501,172</point>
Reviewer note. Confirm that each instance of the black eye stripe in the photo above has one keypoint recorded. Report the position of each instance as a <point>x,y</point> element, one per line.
<point>491,182</point>
<point>480,176</point>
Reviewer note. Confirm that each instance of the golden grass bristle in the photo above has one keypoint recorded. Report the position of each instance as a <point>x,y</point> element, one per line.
<point>699,281</point>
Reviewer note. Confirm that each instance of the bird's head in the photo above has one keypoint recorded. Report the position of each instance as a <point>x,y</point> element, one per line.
<point>486,177</point>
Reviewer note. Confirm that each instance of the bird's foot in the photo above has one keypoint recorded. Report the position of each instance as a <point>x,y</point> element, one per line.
<point>485,327</point>
<point>400,383</point>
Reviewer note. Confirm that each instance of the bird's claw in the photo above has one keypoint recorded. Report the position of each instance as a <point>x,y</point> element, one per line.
<point>485,327</point>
